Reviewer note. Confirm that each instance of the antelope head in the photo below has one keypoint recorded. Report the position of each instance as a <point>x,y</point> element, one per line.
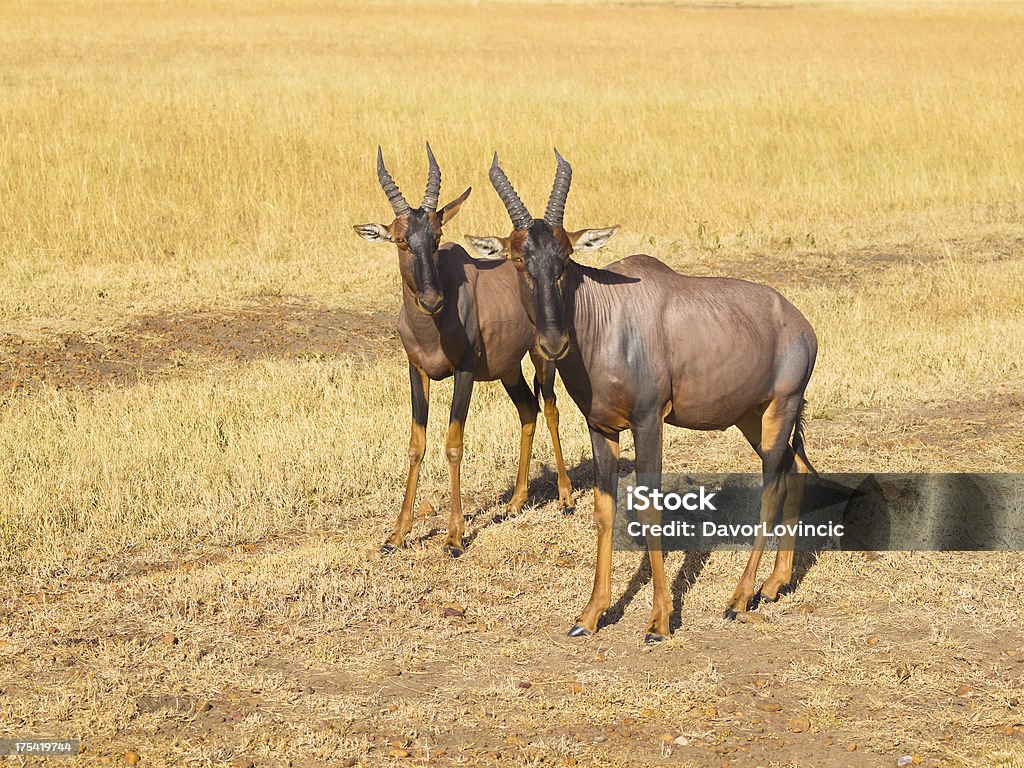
<point>416,232</point>
<point>541,250</point>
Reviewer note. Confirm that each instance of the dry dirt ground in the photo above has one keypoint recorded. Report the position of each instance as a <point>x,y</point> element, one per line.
<point>192,656</point>
<point>158,345</point>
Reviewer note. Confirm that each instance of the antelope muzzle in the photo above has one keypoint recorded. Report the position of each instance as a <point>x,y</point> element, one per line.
<point>553,346</point>
<point>430,301</point>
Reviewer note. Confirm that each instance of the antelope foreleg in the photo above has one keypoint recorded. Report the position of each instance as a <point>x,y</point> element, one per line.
<point>420,387</point>
<point>606,459</point>
<point>565,490</point>
<point>526,404</point>
<point>648,442</point>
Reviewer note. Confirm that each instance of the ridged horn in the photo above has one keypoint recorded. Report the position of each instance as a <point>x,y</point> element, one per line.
<point>516,210</point>
<point>391,189</point>
<point>433,183</point>
<point>559,192</point>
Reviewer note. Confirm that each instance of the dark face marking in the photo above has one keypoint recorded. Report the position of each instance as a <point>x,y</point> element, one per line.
<point>541,255</point>
<point>420,239</point>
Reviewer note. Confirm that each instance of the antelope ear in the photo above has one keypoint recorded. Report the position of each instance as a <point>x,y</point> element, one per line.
<point>584,240</point>
<point>449,211</point>
<point>489,247</point>
<point>374,233</point>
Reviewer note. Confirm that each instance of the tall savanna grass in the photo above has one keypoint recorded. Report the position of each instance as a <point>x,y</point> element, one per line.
<point>218,150</point>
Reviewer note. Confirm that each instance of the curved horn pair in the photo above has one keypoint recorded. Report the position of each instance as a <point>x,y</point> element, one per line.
<point>517,211</point>
<point>395,196</point>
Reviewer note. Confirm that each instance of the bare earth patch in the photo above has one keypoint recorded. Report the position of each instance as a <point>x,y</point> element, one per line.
<point>982,435</point>
<point>164,344</point>
<point>849,268</point>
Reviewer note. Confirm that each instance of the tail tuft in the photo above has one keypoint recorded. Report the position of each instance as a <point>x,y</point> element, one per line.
<point>798,438</point>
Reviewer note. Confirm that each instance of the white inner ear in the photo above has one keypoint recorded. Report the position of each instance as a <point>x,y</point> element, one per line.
<point>593,239</point>
<point>374,233</point>
<point>487,247</point>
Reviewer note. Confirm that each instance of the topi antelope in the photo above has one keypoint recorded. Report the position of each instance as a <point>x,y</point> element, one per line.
<point>639,345</point>
<point>460,317</point>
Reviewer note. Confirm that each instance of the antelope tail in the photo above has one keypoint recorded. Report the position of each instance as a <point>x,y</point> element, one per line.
<point>798,438</point>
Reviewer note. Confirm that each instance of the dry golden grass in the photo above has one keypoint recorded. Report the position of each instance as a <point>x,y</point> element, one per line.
<point>210,153</point>
<point>157,157</point>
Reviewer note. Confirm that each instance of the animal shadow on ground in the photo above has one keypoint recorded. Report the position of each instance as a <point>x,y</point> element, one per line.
<point>822,494</point>
<point>691,568</point>
<point>802,563</point>
<point>693,564</point>
<point>543,490</point>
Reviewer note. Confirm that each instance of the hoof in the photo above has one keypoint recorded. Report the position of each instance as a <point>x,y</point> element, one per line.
<point>387,548</point>
<point>501,517</point>
<point>653,638</point>
<point>784,590</point>
<point>452,552</point>
<point>569,510</point>
<point>579,631</point>
<point>731,614</point>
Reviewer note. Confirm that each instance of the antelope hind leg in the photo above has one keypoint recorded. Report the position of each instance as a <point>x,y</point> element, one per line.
<point>769,435</point>
<point>782,574</point>
<point>453,544</point>
<point>648,442</point>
